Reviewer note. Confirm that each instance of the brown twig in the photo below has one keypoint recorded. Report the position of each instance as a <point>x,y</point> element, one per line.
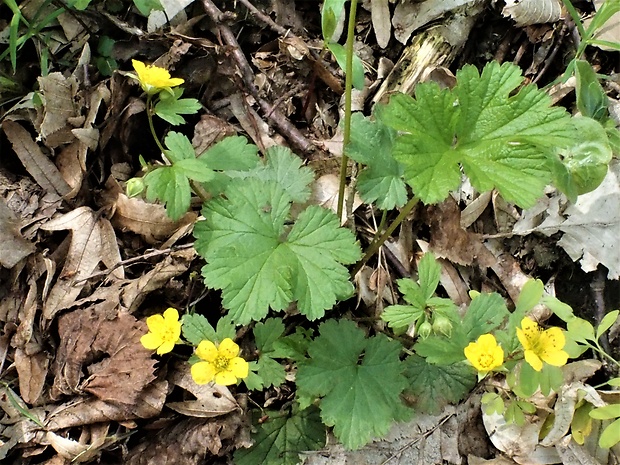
<point>296,138</point>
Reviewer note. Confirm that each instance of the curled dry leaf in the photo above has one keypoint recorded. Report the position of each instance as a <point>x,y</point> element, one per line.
<point>188,442</point>
<point>14,246</point>
<point>528,12</point>
<point>108,349</point>
<point>212,400</point>
<point>92,241</point>
<point>91,410</point>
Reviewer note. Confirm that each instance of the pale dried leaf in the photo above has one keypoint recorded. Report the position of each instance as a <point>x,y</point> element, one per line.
<point>188,442</point>
<point>380,14</point>
<point>528,12</point>
<point>76,451</point>
<point>212,400</point>
<point>36,163</point>
<point>325,194</point>
<point>79,412</point>
<point>14,247</point>
<point>32,370</point>
<point>82,259</point>
<point>172,8</point>
<point>209,130</point>
<point>410,16</point>
<point>88,334</point>
<point>58,93</point>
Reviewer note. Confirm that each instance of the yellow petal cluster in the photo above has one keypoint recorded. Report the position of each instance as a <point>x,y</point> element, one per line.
<point>153,79</point>
<point>542,345</point>
<point>219,363</point>
<point>164,332</point>
<point>485,354</point>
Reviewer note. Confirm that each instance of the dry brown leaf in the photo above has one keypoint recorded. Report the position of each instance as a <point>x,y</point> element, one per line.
<point>34,160</point>
<point>188,442</point>
<point>83,450</point>
<point>380,13</point>
<point>92,410</point>
<point>14,247</point>
<point>212,400</point>
<point>108,349</point>
<point>209,130</point>
<point>92,241</point>
<point>528,12</point>
<point>59,94</point>
<point>32,370</point>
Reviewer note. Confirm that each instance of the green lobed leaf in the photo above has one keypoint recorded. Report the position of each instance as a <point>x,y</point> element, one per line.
<point>171,106</point>
<point>169,185</point>
<point>267,333</point>
<point>503,140</point>
<point>434,386</point>
<point>197,328</point>
<point>591,99</point>
<point>293,346</point>
<point>271,372</point>
<point>259,262</point>
<point>401,316</point>
<point>381,180</point>
<point>485,313</point>
<point>429,273</point>
<point>282,437</point>
<point>232,153</point>
<point>285,168</point>
<point>179,147</point>
<point>441,350</point>
<point>359,380</point>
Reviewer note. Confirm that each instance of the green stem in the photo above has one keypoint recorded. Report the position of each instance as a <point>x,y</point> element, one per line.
<point>600,350</point>
<point>149,115</point>
<point>348,88</point>
<point>376,245</point>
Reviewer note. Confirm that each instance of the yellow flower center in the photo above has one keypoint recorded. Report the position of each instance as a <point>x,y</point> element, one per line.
<point>221,363</point>
<point>485,360</point>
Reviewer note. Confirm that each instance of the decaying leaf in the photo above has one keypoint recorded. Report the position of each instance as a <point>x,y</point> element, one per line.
<point>92,410</point>
<point>34,160</point>
<point>14,246</point>
<point>107,348</point>
<point>380,13</point>
<point>92,241</point>
<point>528,12</point>
<point>212,400</point>
<point>58,93</point>
<point>188,442</point>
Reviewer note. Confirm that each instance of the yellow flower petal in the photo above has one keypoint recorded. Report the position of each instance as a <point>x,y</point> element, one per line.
<point>239,367</point>
<point>151,341</point>
<point>533,359</point>
<point>556,358</point>
<point>165,347</point>
<point>225,378</point>
<point>485,354</point>
<point>228,348</point>
<point>207,351</point>
<point>156,323</point>
<point>553,338</point>
<point>202,372</point>
<point>171,315</point>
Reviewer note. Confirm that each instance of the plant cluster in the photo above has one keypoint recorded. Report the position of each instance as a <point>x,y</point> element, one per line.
<point>268,251</point>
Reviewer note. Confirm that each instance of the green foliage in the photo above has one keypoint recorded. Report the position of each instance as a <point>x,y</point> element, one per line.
<point>358,379</point>
<point>434,386</point>
<point>146,6</point>
<point>171,106</point>
<point>591,98</point>
<point>340,54</point>
<point>266,334</point>
<point>381,180</point>
<point>196,328</point>
<point>260,261</point>
<point>282,437</point>
<point>503,140</point>
<point>419,296</point>
<point>170,184</point>
<point>516,410</point>
<point>609,437</point>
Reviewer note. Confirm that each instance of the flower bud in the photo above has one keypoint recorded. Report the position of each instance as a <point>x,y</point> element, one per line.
<point>442,325</point>
<point>134,187</point>
<point>425,330</point>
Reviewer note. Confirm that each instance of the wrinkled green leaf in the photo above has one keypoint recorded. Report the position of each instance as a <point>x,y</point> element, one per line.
<point>358,379</point>
<point>282,437</point>
<point>434,386</point>
<point>170,106</point>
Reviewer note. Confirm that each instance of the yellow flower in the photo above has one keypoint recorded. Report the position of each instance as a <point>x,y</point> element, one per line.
<point>542,345</point>
<point>164,332</point>
<point>221,364</point>
<point>485,354</point>
<point>153,78</point>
